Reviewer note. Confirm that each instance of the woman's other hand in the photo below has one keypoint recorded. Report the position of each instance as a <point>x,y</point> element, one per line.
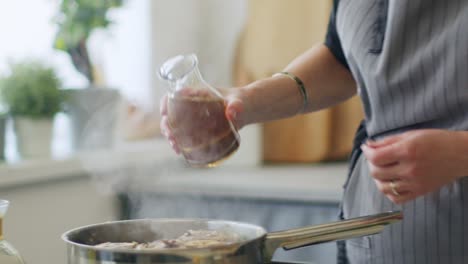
<point>417,162</point>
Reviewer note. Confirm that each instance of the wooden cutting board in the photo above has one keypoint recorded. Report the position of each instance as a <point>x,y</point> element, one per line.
<point>298,139</point>
<point>322,136</point>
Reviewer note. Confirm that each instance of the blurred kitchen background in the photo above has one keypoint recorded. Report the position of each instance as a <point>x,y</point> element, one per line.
<point>79,119</point>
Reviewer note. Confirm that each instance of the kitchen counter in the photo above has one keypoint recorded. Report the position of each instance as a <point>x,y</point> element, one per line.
<point>27,172</point>
<point>313,183</point>
<point>152,165</point>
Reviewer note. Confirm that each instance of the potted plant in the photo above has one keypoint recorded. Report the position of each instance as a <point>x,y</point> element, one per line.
<point>91,107</point>
<point>32,95</point>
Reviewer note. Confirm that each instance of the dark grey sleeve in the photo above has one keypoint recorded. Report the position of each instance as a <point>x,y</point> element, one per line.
<point>332,40</point>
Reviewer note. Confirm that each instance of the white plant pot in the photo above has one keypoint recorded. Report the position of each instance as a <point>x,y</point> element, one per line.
<point>33,137</point>
<point>93,114</point>
<point>2,137</point>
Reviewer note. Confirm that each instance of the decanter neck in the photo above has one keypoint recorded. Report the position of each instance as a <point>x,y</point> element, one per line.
<point>181,71</point>
<point>192,79</point>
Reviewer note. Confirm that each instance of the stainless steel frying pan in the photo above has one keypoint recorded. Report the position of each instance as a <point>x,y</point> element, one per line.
<point>257,246</point>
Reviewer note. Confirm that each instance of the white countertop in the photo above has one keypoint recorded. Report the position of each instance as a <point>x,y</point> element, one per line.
<point>317,183</point>
<point>151,166</point>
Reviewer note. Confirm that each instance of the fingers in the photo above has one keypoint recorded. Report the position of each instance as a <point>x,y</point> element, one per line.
<point>164,125</point>
<point>384,142</point>
<point>234,109</point>
<point>399,193</point>
<point>402,198</point>
<point>408,161</point>
<point>399,186</point>
<point>174,146</point>
<point>384,155</point>
<point>235,106</point>
<point>385,173</point>
<point>163,106</point>
<point>166,131</point>
<point>194,92</point>
<point>402,189</point>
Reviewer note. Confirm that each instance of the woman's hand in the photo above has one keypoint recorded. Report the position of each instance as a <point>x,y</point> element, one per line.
<point>234,112</point>
<point>417,162</point>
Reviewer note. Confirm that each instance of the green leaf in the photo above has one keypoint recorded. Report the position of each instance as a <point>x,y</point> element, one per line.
<point>77,19</point>
<point>31,89</point>
<point>60,43</point>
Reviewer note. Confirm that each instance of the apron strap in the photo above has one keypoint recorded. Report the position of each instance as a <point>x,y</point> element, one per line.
<point>360,137</point>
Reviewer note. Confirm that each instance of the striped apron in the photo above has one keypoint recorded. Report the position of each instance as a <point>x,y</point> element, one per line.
<point>410,60</point>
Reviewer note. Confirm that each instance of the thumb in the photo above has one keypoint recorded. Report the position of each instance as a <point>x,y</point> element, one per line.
<point>234,109</point>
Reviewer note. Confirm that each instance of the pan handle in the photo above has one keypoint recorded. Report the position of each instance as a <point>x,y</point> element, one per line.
<point>311,235</point>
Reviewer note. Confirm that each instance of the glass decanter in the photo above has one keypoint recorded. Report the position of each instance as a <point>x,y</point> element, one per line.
<point>196,114</point>
<point>8,254</point>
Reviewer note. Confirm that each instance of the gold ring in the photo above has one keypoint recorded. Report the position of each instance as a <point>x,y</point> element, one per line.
<point>393,187</point>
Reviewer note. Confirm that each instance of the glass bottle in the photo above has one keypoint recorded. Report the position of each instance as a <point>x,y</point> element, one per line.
<point>196,114</point>
<point>8,254</point>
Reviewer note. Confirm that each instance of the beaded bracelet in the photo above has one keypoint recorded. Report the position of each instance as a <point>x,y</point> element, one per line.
<point>300,85</point>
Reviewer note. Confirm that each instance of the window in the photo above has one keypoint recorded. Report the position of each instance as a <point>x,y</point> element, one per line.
<point>145,33</point>
<point>122,52</point>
